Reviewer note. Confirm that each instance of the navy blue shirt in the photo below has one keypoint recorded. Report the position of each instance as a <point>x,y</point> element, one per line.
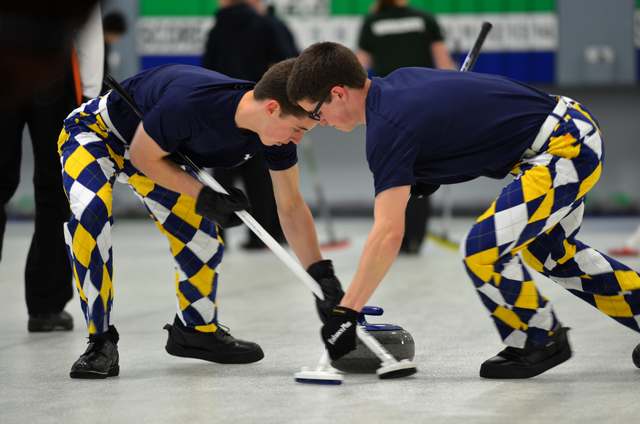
<point>191,110</point>
<point>443,127</point>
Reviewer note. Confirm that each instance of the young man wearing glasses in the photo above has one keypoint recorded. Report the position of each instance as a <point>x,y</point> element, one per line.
<point>216,121</point>
<point>429,127</point>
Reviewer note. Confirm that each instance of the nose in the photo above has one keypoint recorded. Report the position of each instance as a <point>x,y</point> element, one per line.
<point>324,122</point>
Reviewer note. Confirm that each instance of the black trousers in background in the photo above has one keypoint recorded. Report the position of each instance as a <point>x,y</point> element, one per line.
<point>48,283</point>
<point>416,223</point>
<point>259,189</point>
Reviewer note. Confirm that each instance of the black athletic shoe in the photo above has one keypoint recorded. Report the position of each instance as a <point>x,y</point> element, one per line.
<point>252,244</point>
<point>61,321</point>
<point>635,356</point>
<point>100,360</point>
<point>410,247</point>
<point>529,361</point>
<point>219,347</point>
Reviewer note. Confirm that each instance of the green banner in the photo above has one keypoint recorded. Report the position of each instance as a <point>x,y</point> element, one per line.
<point>359,7</point>
<point>178,8</point>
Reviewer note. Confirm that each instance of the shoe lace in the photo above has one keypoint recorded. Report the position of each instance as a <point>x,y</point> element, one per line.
<point>94,347</point>
<point>223,333</point>
<point>95,344</point>
<point>224,329</point>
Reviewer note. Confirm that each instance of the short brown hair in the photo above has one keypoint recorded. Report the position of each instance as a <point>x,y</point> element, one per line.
<point>273,85</point>
<point>322,66</point>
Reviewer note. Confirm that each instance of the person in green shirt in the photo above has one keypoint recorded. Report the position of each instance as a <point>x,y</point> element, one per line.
<point>395,36</point>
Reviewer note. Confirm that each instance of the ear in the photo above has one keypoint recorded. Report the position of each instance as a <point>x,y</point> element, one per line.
<point>339,90</point>
<point>272,107</point>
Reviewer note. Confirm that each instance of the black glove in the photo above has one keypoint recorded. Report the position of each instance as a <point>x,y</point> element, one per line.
<point>339,332</point>
<point>322,272</point>
<point>220,207</point>
<point>423,189</point>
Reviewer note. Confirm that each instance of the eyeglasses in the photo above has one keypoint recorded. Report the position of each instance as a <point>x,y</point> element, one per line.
<point>315,115</point>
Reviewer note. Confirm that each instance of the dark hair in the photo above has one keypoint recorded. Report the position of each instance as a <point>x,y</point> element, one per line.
<point>114,22</point>
<point>381,5</point>
<point>322,66</point>
<point>273,85</point>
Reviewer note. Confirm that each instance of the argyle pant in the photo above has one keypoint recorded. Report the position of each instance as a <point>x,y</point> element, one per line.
<point>536,218</point>
<point>93,158</point>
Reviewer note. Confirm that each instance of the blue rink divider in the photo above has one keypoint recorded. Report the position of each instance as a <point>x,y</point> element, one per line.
<point>147,62</point>
<point>533,67</point>
<point>530,67</point>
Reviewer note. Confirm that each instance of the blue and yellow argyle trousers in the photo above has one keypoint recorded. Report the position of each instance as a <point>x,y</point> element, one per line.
<point>92,159</point>
<point>536,218</point>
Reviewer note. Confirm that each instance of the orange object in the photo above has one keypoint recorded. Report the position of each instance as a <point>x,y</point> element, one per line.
<point>624,251</point>
<point>77,80</point>
<point>335,245</point>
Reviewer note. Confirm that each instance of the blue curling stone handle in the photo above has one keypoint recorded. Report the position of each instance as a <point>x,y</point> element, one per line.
<point>375,311</point>
<point>381,327</point>
<point>372,310</point>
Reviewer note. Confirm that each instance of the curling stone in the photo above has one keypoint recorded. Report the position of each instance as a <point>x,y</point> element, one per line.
<point>394,338</point>
<point>636,356</point>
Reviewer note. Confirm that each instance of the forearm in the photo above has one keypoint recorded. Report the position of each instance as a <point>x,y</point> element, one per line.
<point>89,43</point>
<point>170,176</point>
<point>380,250</point>
<point>441,56</point>
<point>364,58</point>
<point>300,231</point>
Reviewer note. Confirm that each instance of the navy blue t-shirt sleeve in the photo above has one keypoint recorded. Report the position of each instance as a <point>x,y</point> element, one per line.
<point>282,157</point>
<point>391,154</point>
<point>169,121</point>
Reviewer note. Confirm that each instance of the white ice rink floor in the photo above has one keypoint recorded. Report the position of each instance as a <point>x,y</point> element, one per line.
<point>261,300</point>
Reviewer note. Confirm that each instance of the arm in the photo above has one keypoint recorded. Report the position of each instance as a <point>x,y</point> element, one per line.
<point>295,216</point>
<point>381,248</point>
<point>441,56</point>
<point>365,45</point>
<point>148,157</point>
<point>364,58</point>
<point>209,55</point>
<point>278,48</point>
<point>89,43</point>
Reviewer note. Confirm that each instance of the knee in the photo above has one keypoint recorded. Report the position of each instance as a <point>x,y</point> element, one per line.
<point>479,259</point>
<point>479,247</point>
<point>531,259</point>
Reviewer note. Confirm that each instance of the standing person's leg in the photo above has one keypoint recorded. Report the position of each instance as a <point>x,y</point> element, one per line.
<point>197,249</point>
<point>11,126</point>
<point>608,285</point>
<point>91,158</point>
<point>259,189</point>
<point>548,188</point>
<point>48,281</point>
<point>416,222</point>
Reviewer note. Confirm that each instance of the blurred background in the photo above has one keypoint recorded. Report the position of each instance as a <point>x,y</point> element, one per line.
<point>586,49</point>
